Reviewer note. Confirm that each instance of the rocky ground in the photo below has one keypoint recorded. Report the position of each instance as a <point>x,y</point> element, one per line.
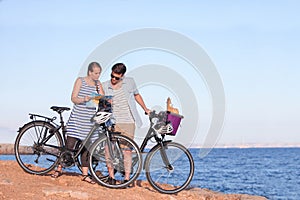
<point>17,184</point>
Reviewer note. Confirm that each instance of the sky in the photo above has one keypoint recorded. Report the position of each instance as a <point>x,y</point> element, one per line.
<point>254,45</point>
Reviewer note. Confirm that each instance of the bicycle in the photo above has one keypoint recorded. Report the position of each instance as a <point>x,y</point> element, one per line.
<point>40,146</point>
<point>169,165</point>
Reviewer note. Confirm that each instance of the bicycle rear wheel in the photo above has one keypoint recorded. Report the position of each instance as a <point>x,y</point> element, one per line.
<point>125,159</point>
<point>173,178</point>
<point>36,148</point>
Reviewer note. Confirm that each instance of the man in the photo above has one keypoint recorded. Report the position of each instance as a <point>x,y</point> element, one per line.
<point>125,95</point>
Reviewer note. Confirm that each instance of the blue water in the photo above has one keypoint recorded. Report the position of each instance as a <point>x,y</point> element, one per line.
<point>270,172</point>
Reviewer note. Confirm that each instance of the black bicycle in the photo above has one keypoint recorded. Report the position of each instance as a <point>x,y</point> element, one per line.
<point>40,146</point>
<point>169,165</point>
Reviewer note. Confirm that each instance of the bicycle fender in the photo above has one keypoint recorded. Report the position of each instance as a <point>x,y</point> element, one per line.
<point>27,124</point>
<point>32,122</point>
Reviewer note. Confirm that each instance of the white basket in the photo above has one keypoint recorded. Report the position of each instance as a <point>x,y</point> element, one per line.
<point>102,117</point>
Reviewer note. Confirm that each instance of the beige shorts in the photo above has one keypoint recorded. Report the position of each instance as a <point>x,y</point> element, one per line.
<point>126,129</point>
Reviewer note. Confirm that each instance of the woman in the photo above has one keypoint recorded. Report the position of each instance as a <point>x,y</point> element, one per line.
<point>79,124</point>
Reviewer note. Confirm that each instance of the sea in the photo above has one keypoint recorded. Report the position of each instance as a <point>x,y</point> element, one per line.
<point>270,172</point>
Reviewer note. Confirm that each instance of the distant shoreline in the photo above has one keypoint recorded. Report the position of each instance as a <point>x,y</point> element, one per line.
<point>8,149</point>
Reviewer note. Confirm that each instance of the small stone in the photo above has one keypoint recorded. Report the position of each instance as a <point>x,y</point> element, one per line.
<point>79,195</point>
<point>56,191</point>
<point>5,182</point>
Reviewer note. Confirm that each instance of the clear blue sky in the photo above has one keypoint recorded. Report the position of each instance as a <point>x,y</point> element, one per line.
<point>255,46</point>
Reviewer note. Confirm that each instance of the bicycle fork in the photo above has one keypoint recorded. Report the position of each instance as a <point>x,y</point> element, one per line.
<point>165,157</point>
<point>112,149</point>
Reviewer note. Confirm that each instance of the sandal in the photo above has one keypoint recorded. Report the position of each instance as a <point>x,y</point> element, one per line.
<point>111,181</point>
<point>88,179</point>
<point>56,174</point>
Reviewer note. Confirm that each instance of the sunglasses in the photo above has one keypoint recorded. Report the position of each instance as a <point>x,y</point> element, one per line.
<point>117,78</point>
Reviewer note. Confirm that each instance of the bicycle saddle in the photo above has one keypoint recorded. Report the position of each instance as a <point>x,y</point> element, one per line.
<point>59,109</point>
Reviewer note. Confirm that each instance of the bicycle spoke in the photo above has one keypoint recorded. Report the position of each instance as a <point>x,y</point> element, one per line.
<point>35,157</point>
<point>169,178</point>
<point>116,160</point>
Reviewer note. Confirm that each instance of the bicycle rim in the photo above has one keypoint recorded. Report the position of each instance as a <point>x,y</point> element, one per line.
<point>33,155</point>
<point>126,159</point>
<point>169,179</point>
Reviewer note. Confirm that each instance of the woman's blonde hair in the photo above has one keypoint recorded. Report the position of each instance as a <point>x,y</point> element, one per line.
<point>92,65</point>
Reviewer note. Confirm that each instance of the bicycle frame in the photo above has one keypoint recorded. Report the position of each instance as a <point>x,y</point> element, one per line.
<point>34,119</point>
<point>86,140</point>
<point>150,134</point>
<point>159,140</point>
<point>63,133</point>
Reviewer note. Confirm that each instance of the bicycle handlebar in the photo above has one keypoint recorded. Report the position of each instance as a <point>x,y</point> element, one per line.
<point>159,115</point>
<point>151,114</point>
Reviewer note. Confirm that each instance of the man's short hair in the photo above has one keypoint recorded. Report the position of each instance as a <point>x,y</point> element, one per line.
<point>119,68</point>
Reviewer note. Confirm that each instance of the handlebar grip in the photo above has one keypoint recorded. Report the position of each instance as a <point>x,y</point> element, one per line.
<point>151,114</point>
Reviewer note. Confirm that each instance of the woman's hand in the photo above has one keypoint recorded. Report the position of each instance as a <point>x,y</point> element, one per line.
<point>87,98</point>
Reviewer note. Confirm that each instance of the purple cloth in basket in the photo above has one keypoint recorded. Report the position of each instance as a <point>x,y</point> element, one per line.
<point>175,120</point>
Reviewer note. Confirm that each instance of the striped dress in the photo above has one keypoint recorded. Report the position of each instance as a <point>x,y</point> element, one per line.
<point>79,124</point>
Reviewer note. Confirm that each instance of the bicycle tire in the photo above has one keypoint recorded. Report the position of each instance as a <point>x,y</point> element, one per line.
<point>34,155</point>
<point>164,179</point>
<point>99,153</point>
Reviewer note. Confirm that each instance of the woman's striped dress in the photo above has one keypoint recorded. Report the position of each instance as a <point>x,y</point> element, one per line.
<point>79,124</point>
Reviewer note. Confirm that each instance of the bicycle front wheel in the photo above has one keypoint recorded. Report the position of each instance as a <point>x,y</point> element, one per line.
<point>169,169</point>
<point>115,157</point>
<point>36,148</point>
